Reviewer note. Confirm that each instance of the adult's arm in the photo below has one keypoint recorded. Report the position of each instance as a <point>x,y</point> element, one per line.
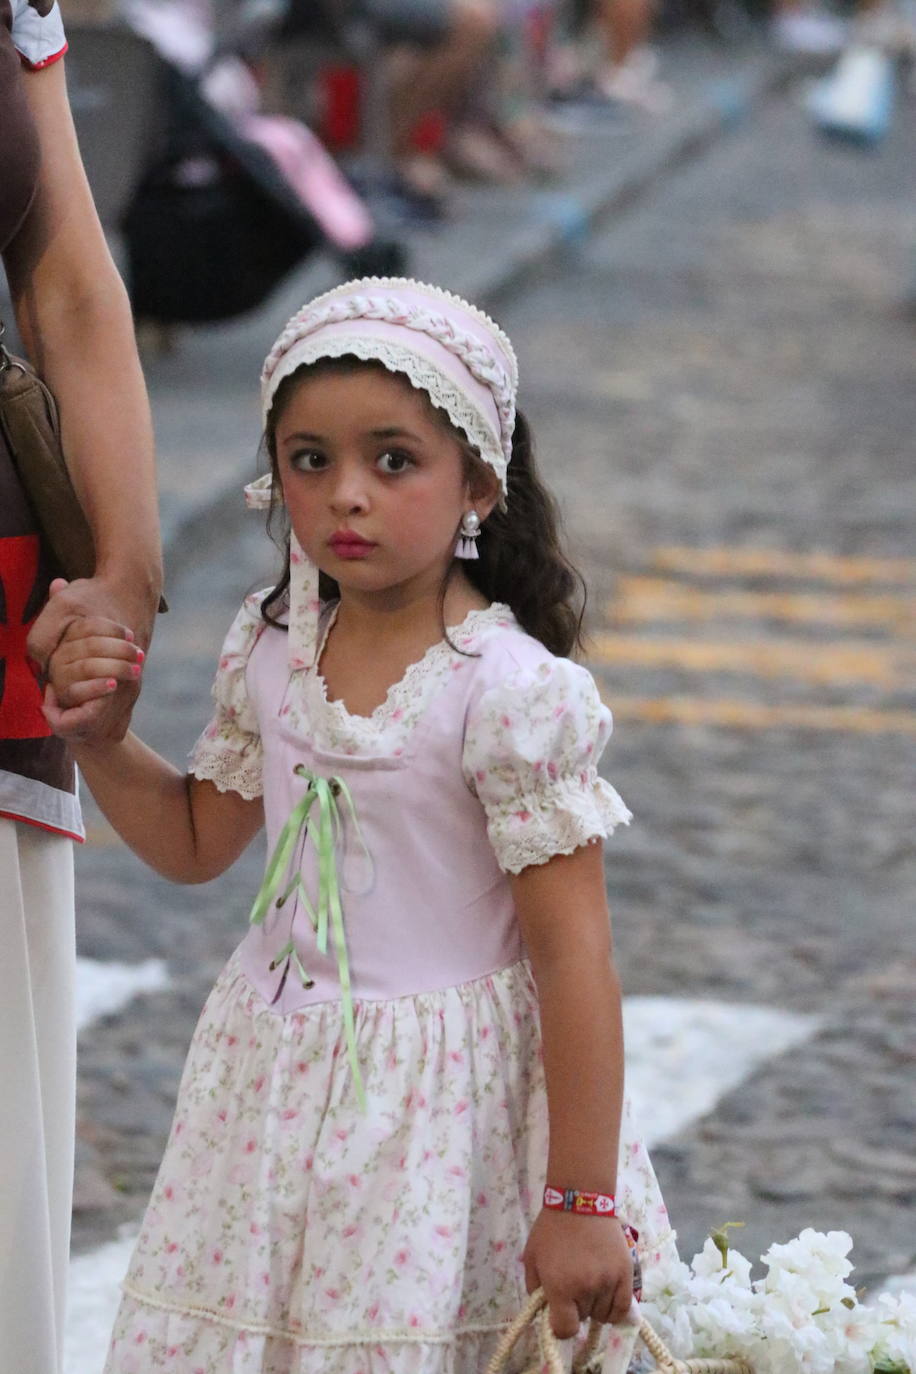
<point>75,321</point>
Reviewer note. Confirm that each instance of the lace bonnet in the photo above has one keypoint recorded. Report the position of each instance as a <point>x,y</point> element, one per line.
<point>445,347</point>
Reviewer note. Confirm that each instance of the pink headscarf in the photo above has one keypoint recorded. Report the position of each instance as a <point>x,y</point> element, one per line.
<point>445,347</point>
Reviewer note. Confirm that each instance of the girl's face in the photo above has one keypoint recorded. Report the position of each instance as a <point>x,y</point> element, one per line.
<point>374,483</point>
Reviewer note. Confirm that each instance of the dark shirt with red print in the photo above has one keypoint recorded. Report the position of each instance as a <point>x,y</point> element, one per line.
<point>37,777</point>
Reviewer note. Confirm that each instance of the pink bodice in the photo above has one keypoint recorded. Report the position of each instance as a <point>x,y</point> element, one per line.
<point>429,907</point>
<point>478,764</point>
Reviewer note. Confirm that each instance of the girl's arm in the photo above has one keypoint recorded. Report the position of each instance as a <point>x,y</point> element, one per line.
<point>183,827</point>
<point>582,1262</point>
<point>75,321</point>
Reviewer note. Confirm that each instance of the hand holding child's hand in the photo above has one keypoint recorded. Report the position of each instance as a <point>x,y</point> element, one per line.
<point>95,659</point>
<point>583,1265</point>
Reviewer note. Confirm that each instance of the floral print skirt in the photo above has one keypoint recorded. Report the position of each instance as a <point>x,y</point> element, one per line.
<point>289,1232</point>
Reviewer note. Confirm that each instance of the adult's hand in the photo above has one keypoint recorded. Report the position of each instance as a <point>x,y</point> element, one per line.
<point>132,607</point>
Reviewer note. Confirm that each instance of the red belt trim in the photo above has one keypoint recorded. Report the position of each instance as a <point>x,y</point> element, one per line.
<point>40,825</point>
<point>45,61</point>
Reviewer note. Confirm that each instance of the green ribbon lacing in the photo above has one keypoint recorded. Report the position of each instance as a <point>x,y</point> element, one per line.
<point>329,914</point>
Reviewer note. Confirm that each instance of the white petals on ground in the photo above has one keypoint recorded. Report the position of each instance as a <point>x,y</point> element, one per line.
<point>683,1056</point>
<point>105,988</point>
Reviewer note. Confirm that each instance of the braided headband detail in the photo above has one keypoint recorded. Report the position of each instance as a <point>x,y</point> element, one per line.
<point>377,299</point>
<point>419,371</point>
<point>374,285</point>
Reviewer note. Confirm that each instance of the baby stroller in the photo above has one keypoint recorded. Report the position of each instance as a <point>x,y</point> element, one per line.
<point>215,225</point>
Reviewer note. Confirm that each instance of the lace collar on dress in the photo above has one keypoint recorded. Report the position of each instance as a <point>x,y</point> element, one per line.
<point>388,727</point>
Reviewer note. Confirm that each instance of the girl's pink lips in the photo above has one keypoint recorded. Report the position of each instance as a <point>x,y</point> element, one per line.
<point>349,544</point>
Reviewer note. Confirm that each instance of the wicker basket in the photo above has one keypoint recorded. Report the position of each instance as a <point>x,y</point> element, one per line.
<point>589,1360</point>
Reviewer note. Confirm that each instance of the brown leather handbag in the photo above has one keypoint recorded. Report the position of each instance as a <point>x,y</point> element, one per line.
<point>31,428</point>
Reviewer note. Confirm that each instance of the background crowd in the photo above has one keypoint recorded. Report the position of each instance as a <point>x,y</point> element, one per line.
<point>350,124</point>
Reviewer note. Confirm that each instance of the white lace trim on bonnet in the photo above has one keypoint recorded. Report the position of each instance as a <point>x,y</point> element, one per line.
<point>445,347</point>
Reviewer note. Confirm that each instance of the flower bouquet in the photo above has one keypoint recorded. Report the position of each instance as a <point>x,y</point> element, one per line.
<point>800,1317</point>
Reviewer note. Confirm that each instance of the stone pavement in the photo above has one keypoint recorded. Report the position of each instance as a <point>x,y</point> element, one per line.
<point>723,386</point>
<point>731,370</point>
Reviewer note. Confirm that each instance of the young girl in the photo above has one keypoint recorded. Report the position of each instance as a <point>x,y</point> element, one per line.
<point>403,1103</point>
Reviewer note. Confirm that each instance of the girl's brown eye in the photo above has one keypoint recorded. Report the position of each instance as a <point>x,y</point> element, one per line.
<point>308,460</point>
<point>394,462</point>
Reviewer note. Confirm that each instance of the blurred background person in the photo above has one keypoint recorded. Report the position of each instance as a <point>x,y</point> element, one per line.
<point>432,54</point>
<point>628,72</point>
<point>607,57</point>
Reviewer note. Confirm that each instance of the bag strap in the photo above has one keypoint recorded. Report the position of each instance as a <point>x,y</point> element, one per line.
<point>6,358</point>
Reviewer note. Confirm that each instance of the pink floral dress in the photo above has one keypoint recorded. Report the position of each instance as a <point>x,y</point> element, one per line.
<point>292,1231</point>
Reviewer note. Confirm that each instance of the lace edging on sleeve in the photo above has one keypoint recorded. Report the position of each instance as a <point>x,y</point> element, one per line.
<point>559,822</point>
<point>228,752</point>
<point>228,773</point>
<point>531,752</point>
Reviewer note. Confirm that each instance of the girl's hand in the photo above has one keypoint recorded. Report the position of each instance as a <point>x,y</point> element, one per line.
<point>583,1265</point>
<point>94,709</point>
<point>93,661</point>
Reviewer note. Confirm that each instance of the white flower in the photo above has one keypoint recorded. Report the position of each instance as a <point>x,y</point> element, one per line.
<point>723,1319</point>
<point>802,1317</point>
<point>813,1251</point>
<point>897,1326</point>
<point>791,1325</point>
<point>739,1268</point>
<point>666,1280</point>
<point>709,1264</point>
<point>709,1261</point>
<point>780,1356</point>
<point>673,1326</point>
<point>852,1335</point>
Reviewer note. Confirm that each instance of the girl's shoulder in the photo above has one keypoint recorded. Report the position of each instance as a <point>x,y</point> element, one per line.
<point>509,657</point>
<point>248,624</point>
<point>253,642</point>
<point>37,31</point>
<point>494,636</point>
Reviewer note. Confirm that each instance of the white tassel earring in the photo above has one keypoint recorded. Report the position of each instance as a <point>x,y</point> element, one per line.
<point>468,533</point>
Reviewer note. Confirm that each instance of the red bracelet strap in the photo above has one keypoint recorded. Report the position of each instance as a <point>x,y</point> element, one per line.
<point>586,1204</point>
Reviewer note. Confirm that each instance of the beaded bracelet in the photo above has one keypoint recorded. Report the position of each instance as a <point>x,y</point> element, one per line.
<point>586,1204</point>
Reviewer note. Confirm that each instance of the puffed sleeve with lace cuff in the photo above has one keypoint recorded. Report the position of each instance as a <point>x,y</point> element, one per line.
<point>228,752</point>
<point>531,750</point>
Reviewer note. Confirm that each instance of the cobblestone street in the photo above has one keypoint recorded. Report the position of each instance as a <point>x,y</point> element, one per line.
<point>723,386</point>
<point>732,370</point>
